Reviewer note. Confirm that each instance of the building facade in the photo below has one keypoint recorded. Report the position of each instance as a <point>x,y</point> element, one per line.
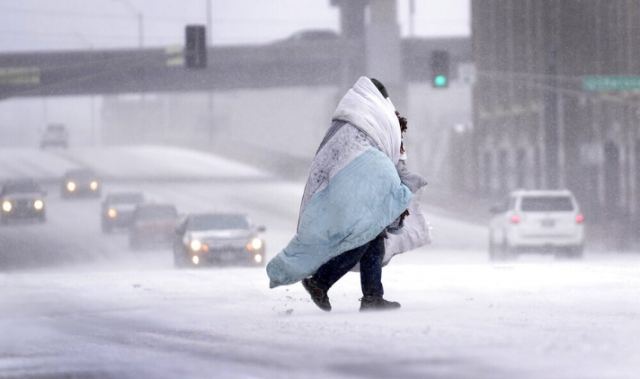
<point>538,120</point>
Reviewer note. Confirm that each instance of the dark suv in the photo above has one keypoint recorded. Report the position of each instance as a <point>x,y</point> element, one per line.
<point>22,199</point>
<point>152,224</point>
<point>81,182</point>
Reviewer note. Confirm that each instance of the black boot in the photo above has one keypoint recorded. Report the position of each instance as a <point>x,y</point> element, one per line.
<point>377,303</point>
<point>318,295</point>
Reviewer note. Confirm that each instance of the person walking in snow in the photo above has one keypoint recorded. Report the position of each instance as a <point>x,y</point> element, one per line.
<point>355,202</point>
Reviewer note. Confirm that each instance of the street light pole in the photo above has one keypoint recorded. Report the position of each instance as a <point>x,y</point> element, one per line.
<point>139,18</point>
<point>92,102</point>
<point>209,33</point>
<point>137,13</point>
<point>209,38</point>
<point>140,30</point>
<point>412,11</point>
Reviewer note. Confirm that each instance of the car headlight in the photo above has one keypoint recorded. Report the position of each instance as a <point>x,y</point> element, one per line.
<point>195,245</point>
<point>93,185</point>
<point>7,206</point>
<point>71,186</point>
<point>257,258</point>
<point>38,205</point>
<point>112,213</point>
<point>254,244</point>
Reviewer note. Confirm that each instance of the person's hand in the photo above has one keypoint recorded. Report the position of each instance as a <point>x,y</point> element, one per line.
<point>402,217</point>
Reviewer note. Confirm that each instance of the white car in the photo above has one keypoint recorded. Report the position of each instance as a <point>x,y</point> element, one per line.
<point>537,221</point>
<point>55,135</point>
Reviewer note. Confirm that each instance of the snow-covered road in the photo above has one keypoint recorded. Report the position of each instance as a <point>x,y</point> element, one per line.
<point>459,320</point>
<point>77,303</point>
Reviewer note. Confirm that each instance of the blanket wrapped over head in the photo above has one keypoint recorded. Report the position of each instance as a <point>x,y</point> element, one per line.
<point>353,191</point>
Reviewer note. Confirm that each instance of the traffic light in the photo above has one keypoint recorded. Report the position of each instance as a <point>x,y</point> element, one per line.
<point>195,52</point>
<point>440,69</point>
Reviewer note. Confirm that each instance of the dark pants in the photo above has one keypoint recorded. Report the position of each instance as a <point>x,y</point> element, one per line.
<point>369,255</point>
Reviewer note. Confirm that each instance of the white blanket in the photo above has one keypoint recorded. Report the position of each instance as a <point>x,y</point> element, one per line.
<point>364,107</point>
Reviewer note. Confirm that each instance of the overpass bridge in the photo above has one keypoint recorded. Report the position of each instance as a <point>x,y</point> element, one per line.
<point>281,64</point>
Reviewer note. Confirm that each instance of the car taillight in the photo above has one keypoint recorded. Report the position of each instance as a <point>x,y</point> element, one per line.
<point>579,218</point>
<point>515,219</point>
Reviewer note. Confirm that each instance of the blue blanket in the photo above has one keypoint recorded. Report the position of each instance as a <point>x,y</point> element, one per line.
<point>357,204</point>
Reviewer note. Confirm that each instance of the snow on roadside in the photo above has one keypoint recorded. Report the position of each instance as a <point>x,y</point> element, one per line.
<point>153,162</point>
<point>32,163</point>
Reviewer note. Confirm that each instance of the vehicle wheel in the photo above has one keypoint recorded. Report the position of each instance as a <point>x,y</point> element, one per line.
<point>509,252</point>
<point>493,250</point>
<point>179,261</point>
<point>134,243</point>
<point>503,252</point>
<point>573,252</point>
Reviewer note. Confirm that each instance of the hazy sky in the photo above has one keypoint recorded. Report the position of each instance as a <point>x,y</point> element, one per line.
<point>80,24</point>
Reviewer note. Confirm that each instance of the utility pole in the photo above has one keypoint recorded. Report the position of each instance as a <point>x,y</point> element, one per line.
<point>412,12</point>
<point>551,103</point>
<point>353,32</point>
<point>209,24</point>
<point>209,119</point>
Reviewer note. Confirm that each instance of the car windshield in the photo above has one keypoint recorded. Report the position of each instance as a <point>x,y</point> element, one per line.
<point>81,174</point>
<point>56,129</point>
<point>156,212</point>
<point>22,186</point>
<point>547,204</point>
<point>55,132</point>
<point>126,198</point>
<point>218,222</point>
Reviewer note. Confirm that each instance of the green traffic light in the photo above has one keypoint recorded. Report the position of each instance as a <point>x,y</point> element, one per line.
<point>440,81</point>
